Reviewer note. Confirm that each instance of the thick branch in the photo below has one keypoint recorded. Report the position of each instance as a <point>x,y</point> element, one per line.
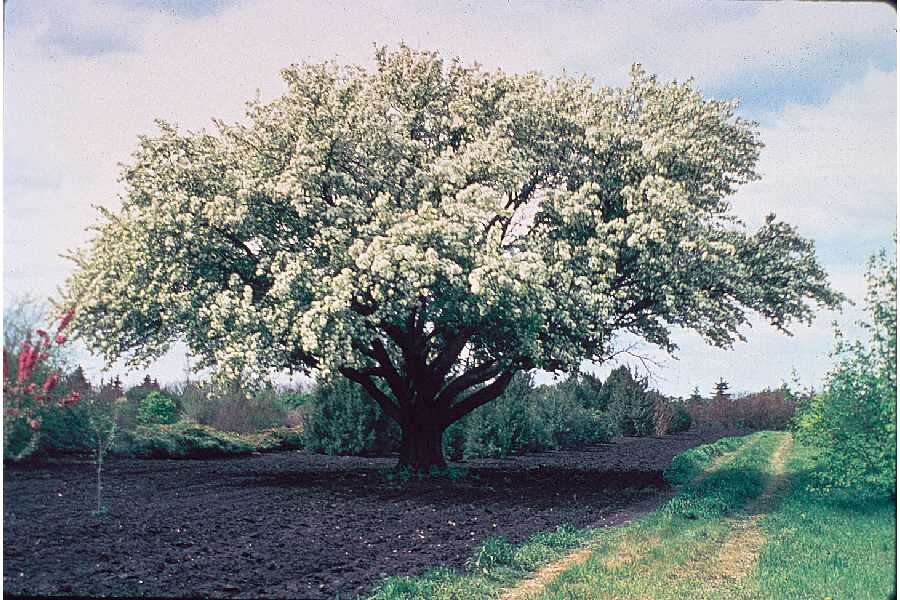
<point>516,201</point>
<point>390,374</point>
<point>481,397</point>
<point>478,375</point>
<point>384,401</point>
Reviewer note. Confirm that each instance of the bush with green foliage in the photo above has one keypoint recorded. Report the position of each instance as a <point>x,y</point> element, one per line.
<point>275,439</point>
<point>505,426</point>
<point>342,419</point>
<point>66,429</point>
<point>185,440</point>
<point>157,409</point>
<point>853,422</point>
<point>527,419</point>
<point>681,418</point>
<point>233,408</point>
<point>630,402</point>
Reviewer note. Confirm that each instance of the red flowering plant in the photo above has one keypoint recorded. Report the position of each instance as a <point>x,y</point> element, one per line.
<point>29,387</point>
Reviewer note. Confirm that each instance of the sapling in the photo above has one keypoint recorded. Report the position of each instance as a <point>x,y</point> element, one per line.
<point>103,426</point>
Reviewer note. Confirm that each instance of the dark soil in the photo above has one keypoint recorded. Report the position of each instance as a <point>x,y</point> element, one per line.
<point>300,525</point>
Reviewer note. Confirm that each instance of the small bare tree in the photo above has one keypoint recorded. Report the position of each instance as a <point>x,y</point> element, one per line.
<point>103,424</point>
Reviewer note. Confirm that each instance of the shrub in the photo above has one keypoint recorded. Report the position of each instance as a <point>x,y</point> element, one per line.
<point>233,409</point>
<point>275,439</point>
<point>630,402</point>
<point>854,420</point>
<point>562,422</point>
<point>31,387</point>
<point>157,408</point>
<point>505,426</point>
<point>681,419</point>
<point>185,440</point>
<point>343,419</point>
<point>66,429</point>
<point>526,418</point>
<point>765,410</point>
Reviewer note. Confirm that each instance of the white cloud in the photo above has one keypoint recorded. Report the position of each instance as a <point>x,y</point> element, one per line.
<point>832,169</point>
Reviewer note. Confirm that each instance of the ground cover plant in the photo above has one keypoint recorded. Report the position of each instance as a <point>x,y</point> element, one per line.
<point>333,230</point>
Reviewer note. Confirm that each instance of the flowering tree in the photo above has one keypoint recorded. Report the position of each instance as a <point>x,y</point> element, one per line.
<point>28,389</point>
<point>427,229</point>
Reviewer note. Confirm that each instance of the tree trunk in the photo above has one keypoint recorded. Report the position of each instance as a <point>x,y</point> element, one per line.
<point>421,448</point>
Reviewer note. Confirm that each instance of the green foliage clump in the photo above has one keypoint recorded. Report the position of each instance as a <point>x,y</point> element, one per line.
<point>853,422</point>
<point>526,419</point>
<point>66,429</point>
<point>186,440</point>
<point>681,419</point>
<point>505,426</point>
<point>630,402</point>
<point>157,408</point>
<point>690,463</point>
<point>341,418</point>
<point>491,553</point>
<point>276,439</point>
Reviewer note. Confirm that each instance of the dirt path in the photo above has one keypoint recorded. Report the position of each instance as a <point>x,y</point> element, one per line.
<point>741,549</point>
<point>627,551</point>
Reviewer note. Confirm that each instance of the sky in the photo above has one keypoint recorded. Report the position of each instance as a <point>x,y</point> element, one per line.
<point>83,79</point>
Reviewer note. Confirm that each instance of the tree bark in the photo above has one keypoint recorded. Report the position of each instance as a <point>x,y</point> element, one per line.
<point>421,447</point>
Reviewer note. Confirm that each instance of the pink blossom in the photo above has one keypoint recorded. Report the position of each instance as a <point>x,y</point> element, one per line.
<point>60,339</point>
<point>35,424</point>
<point>51,382</point>
<point>64,321</point>
<point>27,358</point>
<point>72,398</point>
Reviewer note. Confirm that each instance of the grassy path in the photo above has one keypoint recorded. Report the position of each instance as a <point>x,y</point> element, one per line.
<point>701,545</point>
<point>627,551</point>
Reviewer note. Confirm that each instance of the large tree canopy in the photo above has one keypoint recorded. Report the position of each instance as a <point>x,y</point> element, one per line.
<point>427,229</point>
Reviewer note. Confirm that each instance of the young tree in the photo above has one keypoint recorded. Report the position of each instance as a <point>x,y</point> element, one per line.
<point>695,397</point>
<point>720,391</point>
<point>428,229</point>
<point>854,420</point>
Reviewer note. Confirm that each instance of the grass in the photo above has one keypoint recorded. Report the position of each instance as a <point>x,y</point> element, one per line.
<point>837,545</point>
<point>729,533</point>
<point>494,565</point>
